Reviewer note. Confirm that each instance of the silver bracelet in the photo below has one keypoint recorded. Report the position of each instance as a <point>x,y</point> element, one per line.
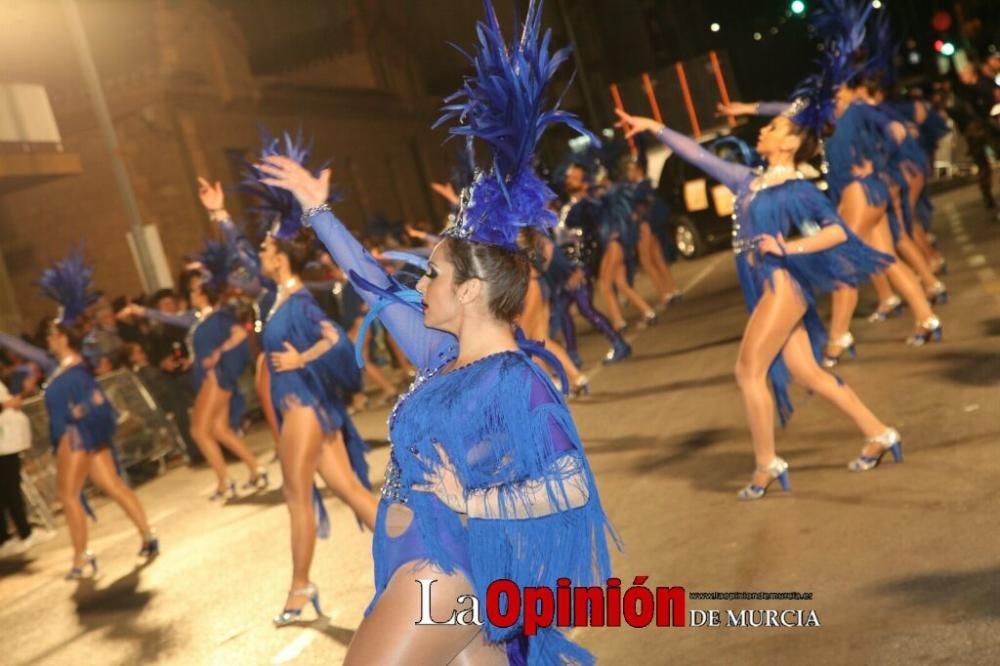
<point>307,214</point>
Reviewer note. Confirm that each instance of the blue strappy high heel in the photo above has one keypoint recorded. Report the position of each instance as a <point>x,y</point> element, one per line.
<point>928,330</point>
<point>846,344</point>
<point>889,441</point>
<point>228,492</point>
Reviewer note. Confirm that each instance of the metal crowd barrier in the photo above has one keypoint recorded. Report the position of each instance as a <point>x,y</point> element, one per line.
<point>145,434</point>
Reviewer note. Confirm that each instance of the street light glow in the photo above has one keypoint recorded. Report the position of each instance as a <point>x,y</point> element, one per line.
<point>798,7</point>
<point>715,27</point>
<point>877,4</point>
<point>948,49</point>
<point>757,36</point>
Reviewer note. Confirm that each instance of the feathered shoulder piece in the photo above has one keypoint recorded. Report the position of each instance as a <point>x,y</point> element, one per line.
<point>276,206</point>
<point>503,104</point>
<point>68,282</point>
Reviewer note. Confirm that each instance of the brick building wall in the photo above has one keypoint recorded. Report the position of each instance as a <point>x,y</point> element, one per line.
<point>178,80</point>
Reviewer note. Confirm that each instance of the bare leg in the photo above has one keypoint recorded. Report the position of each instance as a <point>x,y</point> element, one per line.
<point>105,476</point>
<point>802,365</point>
<point>777,313</point>
<point>335,468</point>
<point>660,262</point>
<point>882,288</point>
<point>900,276</point>
<point>645,251</point>
<point>621,281</point>
<point>263,385</point>
<point>71,472</point>
<point>389,634</point>
<point>605,280</point>
<point>202,425</point>
<point>223,433</point>
<point>861,218</point>
<point>299,447</point>
<point>915,258</point>
<point>535,322</point>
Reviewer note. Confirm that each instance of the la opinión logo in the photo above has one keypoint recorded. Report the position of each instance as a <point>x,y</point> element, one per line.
<point>637,606</point>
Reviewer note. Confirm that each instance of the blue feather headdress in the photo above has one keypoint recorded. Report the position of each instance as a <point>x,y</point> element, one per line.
<point>216,261</point>
<point>840,24</point>
<point>68,282</point>
<point>502,104</point>
<point>880,49</point>
<point>276,206</point>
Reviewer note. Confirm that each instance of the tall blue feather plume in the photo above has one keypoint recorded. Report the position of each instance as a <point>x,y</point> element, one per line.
<point>277,206</point>
<point>503,104</point>
<point>68,282</point>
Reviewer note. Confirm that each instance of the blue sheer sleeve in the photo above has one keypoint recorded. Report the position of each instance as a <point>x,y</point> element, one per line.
<point>186,320</point>
<point>28,351</point>
<point>771,108</point>
<point>729,174</point>
<point>425,347</point>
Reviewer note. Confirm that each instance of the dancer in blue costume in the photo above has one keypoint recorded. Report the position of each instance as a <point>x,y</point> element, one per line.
<point>82,420</point>
<point>862,155</point>
<point>214,200</point>
<point>551,269</point>
<point>651,212</point>
<point>310,362</point>
<point>577,235</point>
<point>487,477</point>
<point>220,353</point>
<point>784,336</point>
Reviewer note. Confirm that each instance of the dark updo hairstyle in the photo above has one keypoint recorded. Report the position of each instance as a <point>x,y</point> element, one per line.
<point>298,249</point>
<point>75,332</point>
<point>212,292</point>
<point>808,146</point>
<point>505,272</point>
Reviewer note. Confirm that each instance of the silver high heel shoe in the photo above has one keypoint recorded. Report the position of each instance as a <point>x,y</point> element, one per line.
<point>227,493</point>
<point>292,615</point>
<point>89,559</point>
<point>927,330</point>
<point>846,344</point>
<point>259,481</point>
<point>891,307</point>
<point>889,441</point>
<point>937,294</point>
<point>778,469</point>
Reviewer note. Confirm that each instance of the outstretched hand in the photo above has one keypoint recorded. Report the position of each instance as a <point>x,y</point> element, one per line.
<point>309,190</point>
<point>734,109</point>
<point>447,191</point>
<point>211,194</point>
<point>633,125</point>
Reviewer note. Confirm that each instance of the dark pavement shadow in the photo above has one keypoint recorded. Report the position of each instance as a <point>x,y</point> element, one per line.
<point>679,352</point>
<point>972,592</point>
<point>656,389</point>
<point>991,327</point>
<point>272,497</point>
<point>115,610</point>
<point>971,368</point>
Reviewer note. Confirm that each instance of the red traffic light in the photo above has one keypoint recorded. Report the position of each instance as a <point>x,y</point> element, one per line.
<point>938,45</point>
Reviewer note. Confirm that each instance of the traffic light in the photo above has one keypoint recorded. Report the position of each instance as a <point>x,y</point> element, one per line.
<point>798,7</point>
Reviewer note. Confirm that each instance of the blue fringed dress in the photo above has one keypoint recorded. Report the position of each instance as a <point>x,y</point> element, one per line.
<point>794,205</point>
<point>502,424</point>
<point>322,385</point>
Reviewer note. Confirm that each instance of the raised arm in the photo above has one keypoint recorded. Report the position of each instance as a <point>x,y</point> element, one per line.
<point>28,351</point>
<point>214,200</point>
<point>185,320</point>
<point>729,174</point>
<point>424,347</point>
